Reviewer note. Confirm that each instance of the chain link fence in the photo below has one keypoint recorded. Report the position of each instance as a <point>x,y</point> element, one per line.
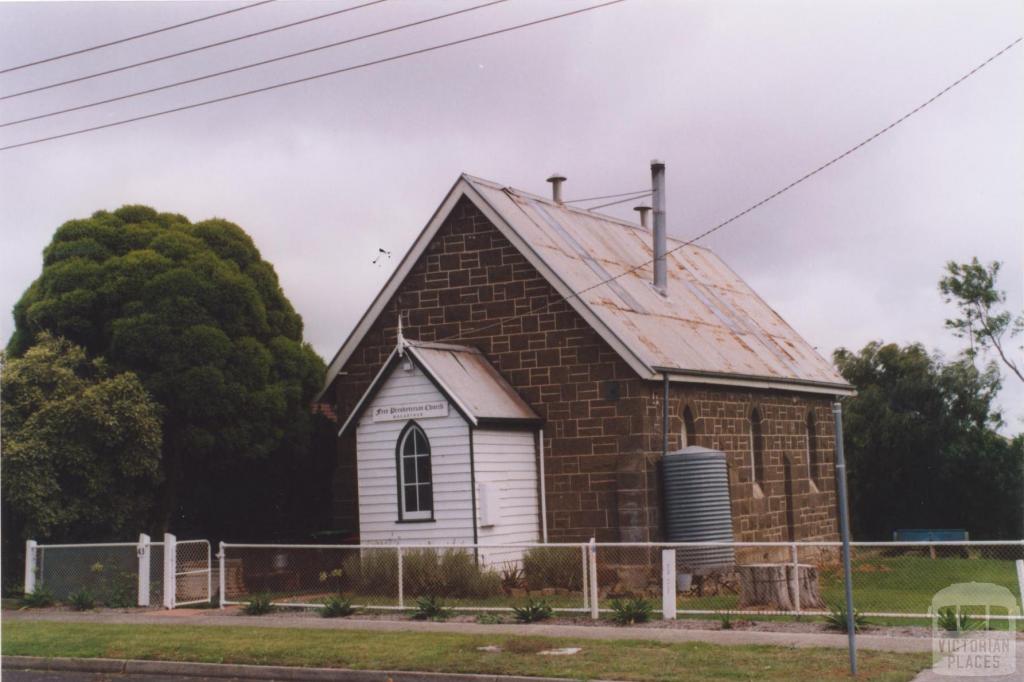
<point>893,580</point>
<point>193,576</point>
<point>123,574</point>
<point>477,578</point>
<point>889,579</point>
<point>106,572</point>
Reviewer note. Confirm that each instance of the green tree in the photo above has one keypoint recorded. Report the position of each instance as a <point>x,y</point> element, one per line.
<point>922,449</point>
<point>81,452</point>
<point>972,286</point>
<point>199,316</point>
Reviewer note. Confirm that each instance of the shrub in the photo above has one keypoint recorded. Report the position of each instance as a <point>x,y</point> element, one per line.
<point>38,599</point>
<point>81,600</point>
<point>533,612</point>
<point>553,567</point>
<point>726,621</point>
<point>836,618</point>
<point>373,572</point>
<point>453,573</point>
<point>631,611</point>
<point>949,620</point>
<point>488,618</point>
<point>431,608</point>
<point>512,577</point>
<point>259,605</point>
<point>121,591</point>
<point>337,607</point>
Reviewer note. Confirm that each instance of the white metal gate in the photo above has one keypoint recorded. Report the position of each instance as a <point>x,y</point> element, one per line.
<point>188,572</point>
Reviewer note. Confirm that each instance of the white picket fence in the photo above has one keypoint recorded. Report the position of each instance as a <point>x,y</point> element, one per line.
<point>172,573</point>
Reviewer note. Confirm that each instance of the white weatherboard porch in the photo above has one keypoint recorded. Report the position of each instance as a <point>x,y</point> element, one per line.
<point>446,453</point>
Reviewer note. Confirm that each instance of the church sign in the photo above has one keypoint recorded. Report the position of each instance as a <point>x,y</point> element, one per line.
<point>392,413</point>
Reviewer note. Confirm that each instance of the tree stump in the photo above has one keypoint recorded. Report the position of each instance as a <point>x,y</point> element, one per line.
<point>778,586</point>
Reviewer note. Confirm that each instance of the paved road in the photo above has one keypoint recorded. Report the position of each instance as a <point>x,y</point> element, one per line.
<point>39,676</point>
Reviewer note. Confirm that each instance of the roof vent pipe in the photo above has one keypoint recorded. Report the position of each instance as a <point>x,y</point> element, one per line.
<point>643,211</point>
<point>660,237</point>
<point>556,181</point>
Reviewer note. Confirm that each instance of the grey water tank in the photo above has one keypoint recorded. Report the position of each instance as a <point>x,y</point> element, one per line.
<point>697,507</point>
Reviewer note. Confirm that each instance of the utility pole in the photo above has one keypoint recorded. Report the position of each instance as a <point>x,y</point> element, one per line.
<point>844,531</point>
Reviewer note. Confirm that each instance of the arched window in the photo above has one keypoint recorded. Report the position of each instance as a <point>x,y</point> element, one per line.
<point>415,490</point>
<point>689,428</point>
<point>813,462</point>
<point>756,447</point>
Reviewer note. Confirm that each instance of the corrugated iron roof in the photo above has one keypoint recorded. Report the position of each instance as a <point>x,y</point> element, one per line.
<point>465,377</point>
<point>711,328</point>
<point>711,322</point>
<point>465,374</point>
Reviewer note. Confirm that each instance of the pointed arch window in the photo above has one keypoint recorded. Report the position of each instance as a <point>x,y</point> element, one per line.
<point>756,447</point>
<point>415,483</point>
<point>689,428</point>
<point>813,458</point>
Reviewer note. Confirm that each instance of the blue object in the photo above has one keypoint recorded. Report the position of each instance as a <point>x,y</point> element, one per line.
<point>930,535</point>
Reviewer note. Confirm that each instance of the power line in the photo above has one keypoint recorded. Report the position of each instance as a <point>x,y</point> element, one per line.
<point>135,37</point>
<point>620,201</point>
<point>762,202</point>
<point>193,50</point>
<point>306,79</point>
<point>606,196</point>
<point>250,66</point>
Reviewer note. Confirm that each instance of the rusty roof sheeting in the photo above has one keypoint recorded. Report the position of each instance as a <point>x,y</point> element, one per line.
<point>467,376</point>
<point>711,322</point>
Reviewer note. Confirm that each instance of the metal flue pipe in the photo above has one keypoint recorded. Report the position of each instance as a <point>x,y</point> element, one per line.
<point>556,181</point>
<point>660,232</point>
<point>643,211</point>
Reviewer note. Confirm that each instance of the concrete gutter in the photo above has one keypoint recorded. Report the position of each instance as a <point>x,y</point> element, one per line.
<point>246,672</point>
<point>895,643</point>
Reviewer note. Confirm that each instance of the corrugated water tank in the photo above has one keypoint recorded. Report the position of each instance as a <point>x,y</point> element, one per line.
<point>697,507</point>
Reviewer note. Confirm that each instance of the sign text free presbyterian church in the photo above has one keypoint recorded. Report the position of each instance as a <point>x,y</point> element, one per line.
<point>391,413</point>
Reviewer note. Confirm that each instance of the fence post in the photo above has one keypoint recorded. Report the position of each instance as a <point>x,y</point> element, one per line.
<point>593,580</point>
<point>170,568</point>
<point>221,580</point>
<point>584,572</point>
<point>1020,581</point>
<point>401,581</point>
<point>30,566</point>
<point>668,584</point>
<point>143,552</point>
<point>794,580</point>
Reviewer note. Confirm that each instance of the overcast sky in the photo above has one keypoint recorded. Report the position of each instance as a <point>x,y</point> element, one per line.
<point>738,98</point>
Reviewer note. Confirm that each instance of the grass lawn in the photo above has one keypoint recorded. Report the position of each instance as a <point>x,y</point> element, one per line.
<point>442,652</point>
<point>901,584</point>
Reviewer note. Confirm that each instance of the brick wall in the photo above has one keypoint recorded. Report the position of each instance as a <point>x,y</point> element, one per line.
<point>602,428</point>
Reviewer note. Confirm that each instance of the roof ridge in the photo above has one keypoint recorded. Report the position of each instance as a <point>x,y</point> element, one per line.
<point>576,209</point>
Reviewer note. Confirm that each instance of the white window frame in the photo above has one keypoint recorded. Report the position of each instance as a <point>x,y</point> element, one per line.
<point>419,514</point>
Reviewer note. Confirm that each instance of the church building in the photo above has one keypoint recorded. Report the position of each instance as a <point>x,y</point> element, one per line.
<point>528,364</point>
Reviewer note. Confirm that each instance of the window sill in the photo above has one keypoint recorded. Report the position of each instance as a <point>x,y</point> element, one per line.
<point>415,520</point>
